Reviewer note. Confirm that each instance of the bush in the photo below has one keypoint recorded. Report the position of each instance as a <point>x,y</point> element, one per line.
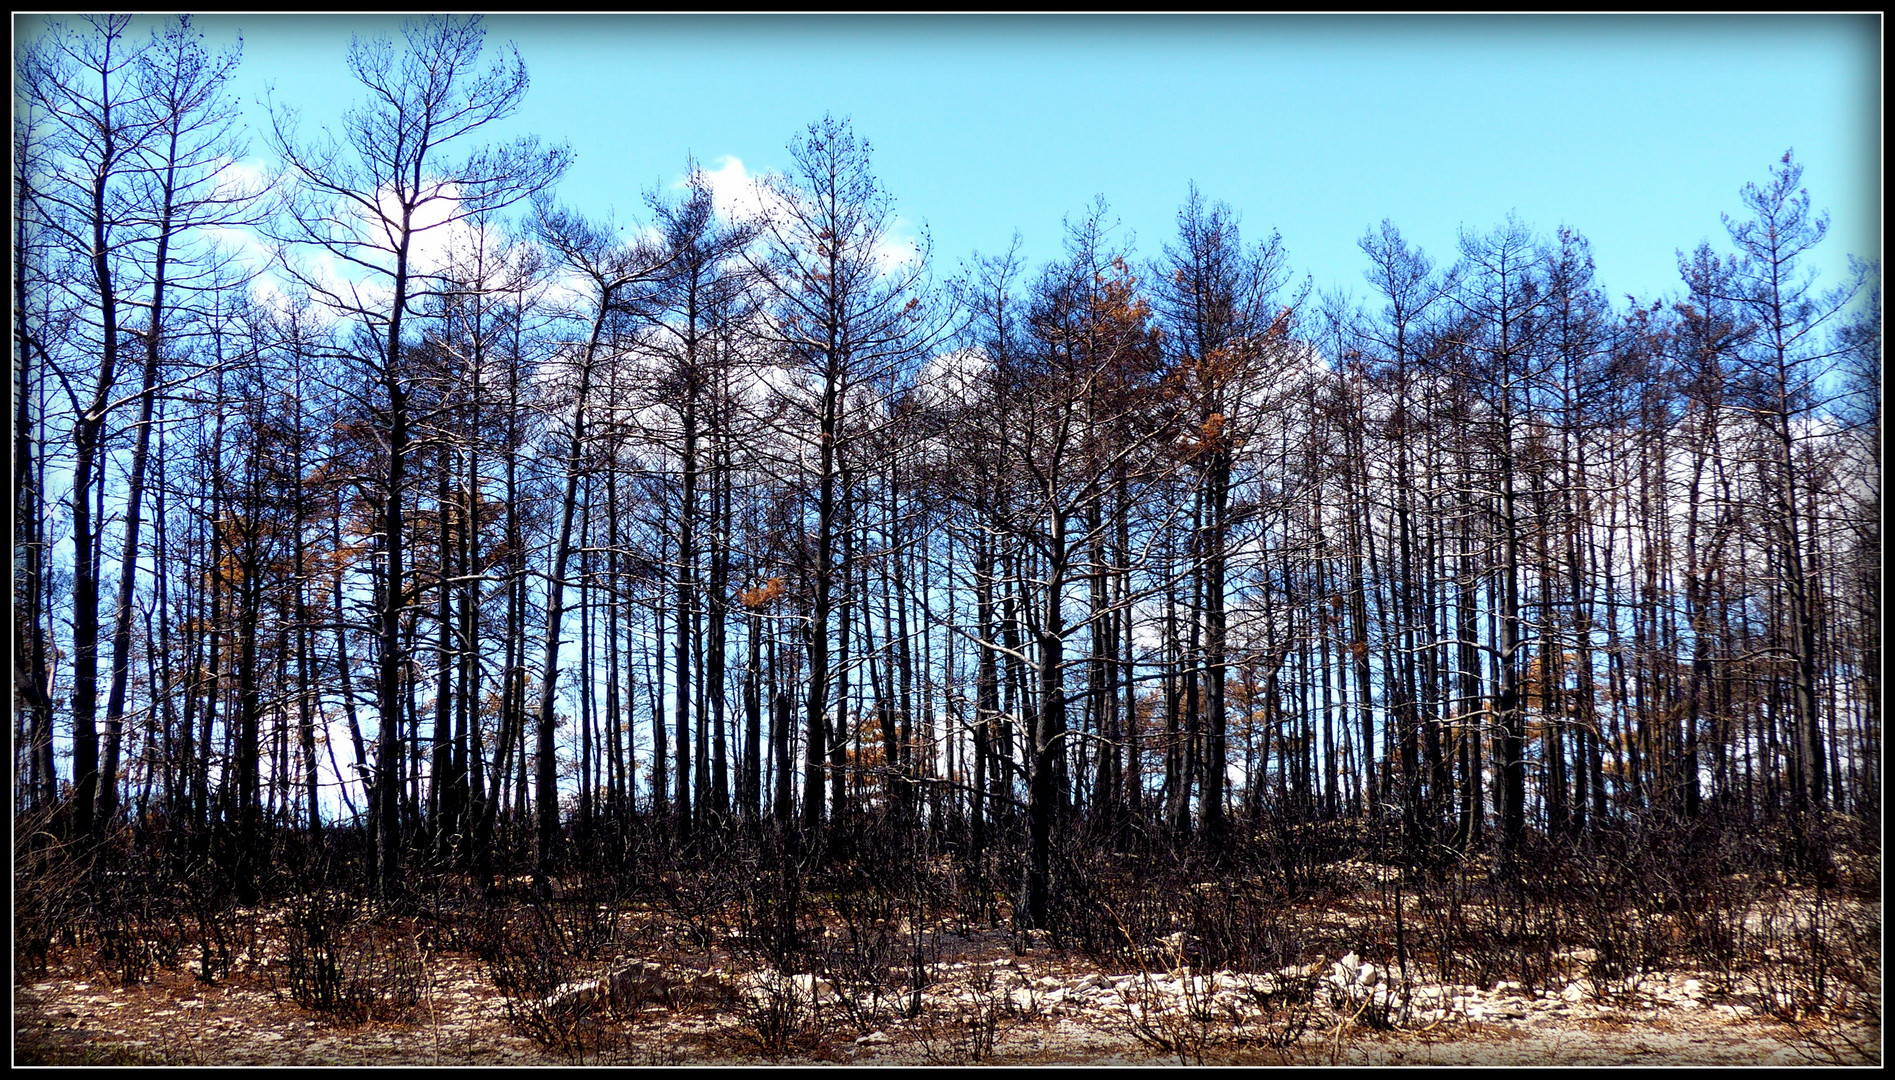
<point>527,961</point>
<point>343,966</point>
<point>781,1014</point>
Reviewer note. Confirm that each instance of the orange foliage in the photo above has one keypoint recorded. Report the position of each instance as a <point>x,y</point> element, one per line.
<point>763,595</point>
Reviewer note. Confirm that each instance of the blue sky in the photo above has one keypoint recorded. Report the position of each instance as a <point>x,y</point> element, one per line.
<point>1637,131</point>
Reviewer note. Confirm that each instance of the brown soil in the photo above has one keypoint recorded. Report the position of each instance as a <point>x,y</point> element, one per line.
<point>77,1014</point>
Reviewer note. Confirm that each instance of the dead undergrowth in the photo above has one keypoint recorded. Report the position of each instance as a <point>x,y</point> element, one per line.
<point>1310,949</point>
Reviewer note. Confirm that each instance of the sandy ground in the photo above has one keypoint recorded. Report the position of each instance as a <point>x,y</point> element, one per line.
<point>1041,1009</point>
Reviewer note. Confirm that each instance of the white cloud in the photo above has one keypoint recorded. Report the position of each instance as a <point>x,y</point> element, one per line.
<point>898,246</point>
<point>240,179</point>
<point>434,237</point>
<point>735,193</point>
<point>738,196</point>
<point>250,251</point>
<point>953,376</point>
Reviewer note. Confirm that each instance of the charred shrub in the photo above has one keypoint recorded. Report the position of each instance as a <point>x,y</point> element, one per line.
<point>780,1015</point>
<point>315,932</point>
<point>48,888</point>
<point>769,911</point>
<point>969,1033</point>
<point>215,921</point>
<point>344,966</point>
<point>138,934</point>
<point>526,958</point>
<point>701,896</point>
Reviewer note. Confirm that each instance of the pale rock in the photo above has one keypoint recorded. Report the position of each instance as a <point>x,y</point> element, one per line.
<point>821,989</point>
<point>577,995</point>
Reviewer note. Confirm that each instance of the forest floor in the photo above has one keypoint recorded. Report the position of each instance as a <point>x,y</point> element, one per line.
<point>987,1003</point>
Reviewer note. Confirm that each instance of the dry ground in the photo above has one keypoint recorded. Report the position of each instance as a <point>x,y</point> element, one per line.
<point>987,1005</point>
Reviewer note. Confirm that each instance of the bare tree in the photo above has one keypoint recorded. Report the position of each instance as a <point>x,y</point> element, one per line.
<point>365,206</point>
<point>702,296</point>
<point>1780,386</point>
<point>1501,297</point>
<point>183,184</point>
<point>1227,328</point>
<point>841,317</point>
<point>83,82</point>
<point>611,273</point>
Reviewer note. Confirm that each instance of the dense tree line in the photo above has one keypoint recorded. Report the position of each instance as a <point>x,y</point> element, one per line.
<point>476,531</point>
